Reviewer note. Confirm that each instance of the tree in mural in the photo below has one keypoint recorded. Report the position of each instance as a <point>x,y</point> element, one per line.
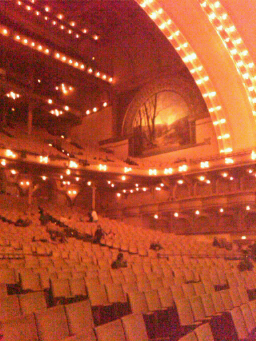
<point>161,121</point>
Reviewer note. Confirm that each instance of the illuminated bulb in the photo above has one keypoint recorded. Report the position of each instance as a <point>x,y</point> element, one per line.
<point>28,8</point>
<point>68,182</point>
<point>64,58</point>
<point>162,185</point>
<point>95,37</point>
<point>243,237</point>
<point>118,194</point>
<point>137,189</point>
<point>47,51</point>
<point>176,214</point>
<point>87,112</point>
<point>17,37</point>
<point>225,175</point>
<point>68,171</point>
<point>152,172</point>
<point>248,208</point>
<point>98,74</point>
<point>90,70</point>
<point>13,171</point>
<point>22,183</point>
<point>250,171</point>
<point>3,162</point>
<point>5,31</point>
<point>66,107</point>
<point>231,178</point>
<point>44,177</point>
<point>84,30</point>
<point>76,64</point>
<point>183,168</point>
<point>25,41</point>
<point>70,31</point>
<point>37,13</point>
<point>180,182</point>
<point>61,176</point>
<point>27,183</point>
<point>105,104</point>
<point>124,190</point>
<point>40,47</point>
<point>123,177</point>
<point>77,36</point>
<point>221,210</point>
<point>204,164</point>
<point>158,188</point>
<point>60,16</point>
<point>202,178</point>
<point>229,160</point>
<point>197,212</point>
<point>131,190</point>
<point>156,216</point>
<point>110,79</point>
<point>89,183</point>
<point>50,101</point>
<point>94,109</point>
<point>54,22</point>
<point>112,185</point>
<point>144,189</point>
<point>168,171</point>
<point>82,66</point>
<point>208,181</point>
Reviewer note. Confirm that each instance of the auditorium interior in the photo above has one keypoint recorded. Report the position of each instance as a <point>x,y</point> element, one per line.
<point>143,111</point>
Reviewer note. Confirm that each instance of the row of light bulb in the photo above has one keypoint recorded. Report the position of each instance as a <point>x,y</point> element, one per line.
<point>230,37</point>
<point>65,27</point>
<point>24,40</point>
<point>190,58</point>
<point>13,95</point>
<point>197,212</point>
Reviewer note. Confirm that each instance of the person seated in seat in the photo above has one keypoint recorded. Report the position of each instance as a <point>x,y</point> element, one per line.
<point>119,262</point>
<point>155,246</point>
<point>99,233</point>
<point>93,216</point>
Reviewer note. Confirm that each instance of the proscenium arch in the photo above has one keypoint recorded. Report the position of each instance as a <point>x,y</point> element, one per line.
<point>214,72</point>
<point>177,84</point>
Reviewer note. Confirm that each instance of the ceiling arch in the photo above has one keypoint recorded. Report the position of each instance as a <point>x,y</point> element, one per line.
<point>189,30</point>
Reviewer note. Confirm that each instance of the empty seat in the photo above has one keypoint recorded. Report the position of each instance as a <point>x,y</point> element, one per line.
<point>134,327</point>
<point>138,302</point>
<point>9,308</point>
<point>77,287</point>
<point>112,331</point>
<point>32,302</point>
<point>52,324</point>
<point>20,329</point>
<point>204,332</point>
<point>79,317</point>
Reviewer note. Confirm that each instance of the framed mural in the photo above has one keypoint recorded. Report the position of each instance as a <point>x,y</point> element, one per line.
<point>162,123</point>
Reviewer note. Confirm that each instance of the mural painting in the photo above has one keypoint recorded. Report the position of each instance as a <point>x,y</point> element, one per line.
<point>162,122</point>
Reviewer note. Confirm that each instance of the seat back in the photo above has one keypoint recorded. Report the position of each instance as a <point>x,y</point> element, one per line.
<point>52,324</point>
<point>110,331</point>
<point>239,323</point>
<point>138,302</point>
<point>79,316</point>
<point>208,304</point>
<point>20,329</point>
<point>204,332</point>
<point>115,293</point>
<point>248,317</point>
<point>185,312</point>
<point>134,327</point>
<point>9,308</point>
<point>153,300</point>
<point>166,299</point>
<point>197,308</point>
<point>77,287</point>
<point>60,288</point>
<point>32,302</point>
<point>97,295</point>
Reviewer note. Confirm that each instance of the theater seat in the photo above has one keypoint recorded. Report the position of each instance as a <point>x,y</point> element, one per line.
<point>20,329</point>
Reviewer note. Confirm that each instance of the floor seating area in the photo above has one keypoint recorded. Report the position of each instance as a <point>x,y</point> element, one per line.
<point>51,291</point>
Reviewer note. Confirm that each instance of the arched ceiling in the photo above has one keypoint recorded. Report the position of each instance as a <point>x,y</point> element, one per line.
<point>203,39</point>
